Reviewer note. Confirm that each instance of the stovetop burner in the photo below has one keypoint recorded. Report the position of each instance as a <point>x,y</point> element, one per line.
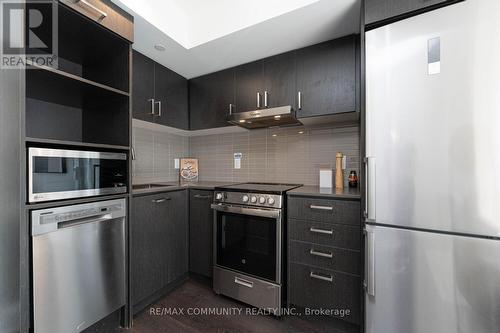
<point>267,188</point>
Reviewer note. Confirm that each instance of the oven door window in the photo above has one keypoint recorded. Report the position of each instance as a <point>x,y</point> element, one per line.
<point>247,244</point>
<point>66,174</point>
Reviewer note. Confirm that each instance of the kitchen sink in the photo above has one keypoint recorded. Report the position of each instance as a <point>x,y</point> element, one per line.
<point>148,186</point>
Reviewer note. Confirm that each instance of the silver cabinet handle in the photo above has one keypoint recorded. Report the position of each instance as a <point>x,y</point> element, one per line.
<point>243,282</point>
<point>258,100</point>
<point>321,231</point>
<point>370,212</point>
<point>161,200</point>
<point>159,109</point>
<point>321,254</point>
<point>317,276</point>
<point>94,8</point>
<point>230,109</point>
<point>198,196</point>
<point>265,99</point>
<point>369,282</point>
<point>152,101</point>
<point>299,100</point>
<point>132,153</point>
<point>321,207</point>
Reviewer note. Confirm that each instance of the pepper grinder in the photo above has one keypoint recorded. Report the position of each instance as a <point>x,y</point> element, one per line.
<point>339,174</point>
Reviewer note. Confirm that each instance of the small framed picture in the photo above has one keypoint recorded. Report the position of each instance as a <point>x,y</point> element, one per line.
<point>188,170</point>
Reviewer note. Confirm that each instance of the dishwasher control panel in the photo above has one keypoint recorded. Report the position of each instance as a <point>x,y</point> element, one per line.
<point>51,219</point>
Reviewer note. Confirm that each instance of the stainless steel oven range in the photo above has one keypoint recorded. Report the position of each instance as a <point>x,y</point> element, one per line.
<point>249,237</point>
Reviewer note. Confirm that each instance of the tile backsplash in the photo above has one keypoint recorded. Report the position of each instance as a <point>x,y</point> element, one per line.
<point>155,152</point>
<point>292,155</point>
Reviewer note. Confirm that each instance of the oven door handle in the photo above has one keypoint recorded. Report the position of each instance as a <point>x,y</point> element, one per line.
<point>254,211</point>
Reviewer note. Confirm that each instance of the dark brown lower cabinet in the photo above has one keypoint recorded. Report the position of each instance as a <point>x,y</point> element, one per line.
<point>325,256</point>
<point>200,232</point>
<point>159,244</point>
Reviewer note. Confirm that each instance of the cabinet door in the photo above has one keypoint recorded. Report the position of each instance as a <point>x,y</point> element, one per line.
<point>326,77</point>
<point>142,87</point>
<point>200,232</point>
<point>171,90</point>
<point>177,250</point>
<point>146,255</point>
<point>279,80</point>
<point>209,99</point>
<point>248,82</point>
<point>379,10</point>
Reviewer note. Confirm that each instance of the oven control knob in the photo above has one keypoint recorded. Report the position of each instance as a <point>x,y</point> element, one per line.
<point>253,199</point>
<point>271,201</point>
<point>219,196</point>
<point>245,198</point>
<point>262,200</point>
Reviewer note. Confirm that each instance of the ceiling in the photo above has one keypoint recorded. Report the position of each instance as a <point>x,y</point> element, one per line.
<point>203,36</point>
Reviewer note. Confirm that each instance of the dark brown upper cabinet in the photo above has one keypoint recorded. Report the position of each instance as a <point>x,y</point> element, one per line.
<point>378,12</point>
<point>249,80</point>
<point>279,80</point>
<point>159,95</point>
<point>210,97</point>
<point>326,78</point>
<point>269,82</point>
<point>143,87</point>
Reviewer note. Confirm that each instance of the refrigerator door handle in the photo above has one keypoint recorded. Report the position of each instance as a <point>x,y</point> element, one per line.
<point>369,282</point>
<point>370,188</point>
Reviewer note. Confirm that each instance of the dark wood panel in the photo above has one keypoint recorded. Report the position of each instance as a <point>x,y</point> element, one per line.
<point>342,293</point>
<point>380,10</point>
<point>325,210</point>
<point>248,82</point>
<point>279,79</point>
<point>326,77</point>
<point>146,254</point>
<point>142,87</point>
<point>342,260</point>
<point>171,90</point>
<point>209,99</point>
<point>200,232</point>
<point>344,236</point>
<point>177,242</point>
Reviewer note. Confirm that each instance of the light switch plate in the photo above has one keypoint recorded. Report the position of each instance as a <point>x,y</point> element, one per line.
<point>176,163</point>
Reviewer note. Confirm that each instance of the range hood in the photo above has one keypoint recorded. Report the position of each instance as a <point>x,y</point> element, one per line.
<point>262,118</point>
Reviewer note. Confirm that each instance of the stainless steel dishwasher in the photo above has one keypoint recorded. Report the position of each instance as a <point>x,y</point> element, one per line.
<point>78,265</point>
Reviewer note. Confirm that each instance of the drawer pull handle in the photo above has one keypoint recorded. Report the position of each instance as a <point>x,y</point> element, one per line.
<point>243,282</point>
<point>198,196</point>
<point>321,277</point>
<point>321,207</point>
<point>321,231</point>
<point>161,200</point>
<point>94,8</point>
<point>321,254</point>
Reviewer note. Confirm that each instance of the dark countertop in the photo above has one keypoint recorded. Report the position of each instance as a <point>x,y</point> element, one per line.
<point>175,186</point>
<point>315,191</point>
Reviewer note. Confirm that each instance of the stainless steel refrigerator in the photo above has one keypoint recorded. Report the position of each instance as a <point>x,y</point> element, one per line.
<point>433,172</point>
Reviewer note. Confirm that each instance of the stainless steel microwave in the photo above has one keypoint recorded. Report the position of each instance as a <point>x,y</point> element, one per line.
<point>58,174</point>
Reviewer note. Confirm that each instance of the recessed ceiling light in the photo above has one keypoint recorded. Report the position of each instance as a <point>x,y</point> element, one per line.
<point>160,47</point>
<point>277,117</point>
<point>301,132</point>
<point>275,135</point>
<point>242,121</point>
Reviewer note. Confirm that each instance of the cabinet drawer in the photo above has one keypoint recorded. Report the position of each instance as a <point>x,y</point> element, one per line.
<point>106,14</point>
<point>338,235</point>
<point>325,210</point>
<point>319,288</point>
<point>325,257</point>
